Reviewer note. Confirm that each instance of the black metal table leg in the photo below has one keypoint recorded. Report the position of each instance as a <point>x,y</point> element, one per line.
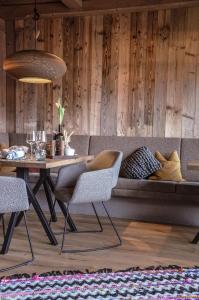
<point>44,174</point>
<point>9,232</point>
<point>71,224</point>
<point>50,201</point>
<point>50,182</point>
<point>38,185</point>
<point>41,216</point>
<point>196,239</point>
<point>23,173</point>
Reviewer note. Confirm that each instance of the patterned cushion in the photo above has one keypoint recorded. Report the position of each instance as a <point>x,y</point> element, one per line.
<point>140,164</point>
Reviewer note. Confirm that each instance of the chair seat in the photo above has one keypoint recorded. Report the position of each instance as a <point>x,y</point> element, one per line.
<point>146,185</point>
<point>64,194</point>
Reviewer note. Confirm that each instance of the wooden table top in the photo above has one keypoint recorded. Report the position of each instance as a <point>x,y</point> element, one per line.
<point>47,164</point>
<point>193,165</point>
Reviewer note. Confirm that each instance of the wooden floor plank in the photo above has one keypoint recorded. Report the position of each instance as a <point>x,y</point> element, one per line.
<point>144,244</point>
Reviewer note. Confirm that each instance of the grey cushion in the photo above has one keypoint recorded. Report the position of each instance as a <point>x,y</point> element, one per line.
<point>13,196</point>
<point>146,185</point>
<point>4,139</point>
<point>140,164</point>
<point>129,144</point>
<point>189,151</point>
<point>188,188</point>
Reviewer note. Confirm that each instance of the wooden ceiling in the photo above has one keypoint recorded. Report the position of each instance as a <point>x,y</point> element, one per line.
<point>10,9</point>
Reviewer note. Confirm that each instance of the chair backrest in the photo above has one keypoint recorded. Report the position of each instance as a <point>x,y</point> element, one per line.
<point>13,195</point>
<point>107,159</point>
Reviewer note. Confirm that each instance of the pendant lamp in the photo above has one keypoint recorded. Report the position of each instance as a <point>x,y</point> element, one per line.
<point>34,66</point>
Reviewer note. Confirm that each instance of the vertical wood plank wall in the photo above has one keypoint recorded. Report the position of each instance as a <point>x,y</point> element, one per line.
<point>134,74</point>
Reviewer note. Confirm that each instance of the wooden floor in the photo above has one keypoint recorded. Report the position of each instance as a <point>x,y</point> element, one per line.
<point>144,244</point>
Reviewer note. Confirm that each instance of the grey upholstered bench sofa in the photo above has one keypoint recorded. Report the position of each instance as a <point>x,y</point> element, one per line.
<point>146,200</point>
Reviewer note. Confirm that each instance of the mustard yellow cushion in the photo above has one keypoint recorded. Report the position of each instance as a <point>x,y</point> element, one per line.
<point>171,168</point>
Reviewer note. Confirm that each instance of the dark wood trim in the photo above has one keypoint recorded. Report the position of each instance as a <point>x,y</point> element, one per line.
<point>94,7</point>
<point>72,3</point>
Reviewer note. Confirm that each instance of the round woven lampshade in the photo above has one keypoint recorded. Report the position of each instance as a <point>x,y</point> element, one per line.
<point>34,66</point>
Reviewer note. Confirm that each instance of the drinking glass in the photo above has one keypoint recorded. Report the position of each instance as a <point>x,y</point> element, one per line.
<point>40,138</point>
<point>31,140</point>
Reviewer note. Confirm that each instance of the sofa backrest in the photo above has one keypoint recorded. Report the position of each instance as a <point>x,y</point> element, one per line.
<point>79,142</point>
<point>189,151</point>
<point>129,144</point>
<point>4,139</point>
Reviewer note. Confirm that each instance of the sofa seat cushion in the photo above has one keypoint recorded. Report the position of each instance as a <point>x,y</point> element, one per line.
<point>190,188</point>
<point>146,185</point>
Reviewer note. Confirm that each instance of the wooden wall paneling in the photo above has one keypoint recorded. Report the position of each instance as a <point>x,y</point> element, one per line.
<point>47,96</point>
<point>196,121</point>
<point>78,73</point>
<point>149,89</point>
<point>175,90</point>
<point>82,75</point>
<point>56,42</point>
<point>130,74</point>
<point>106,70</point>
<point>41,88</point>
<point>123,75</point>
<point>19,37</point>
<point>2,78</point>
<point>68,79</point>
<point>132,77</point>
<point>190,72</point>
<point>110,75</point>
<point>140,70</point>
<point>86,76</point>
<point>96,74</point>
<point>10,83</point>
<point>29,90</point>
<point>137,73</point>
<point>161,73</point>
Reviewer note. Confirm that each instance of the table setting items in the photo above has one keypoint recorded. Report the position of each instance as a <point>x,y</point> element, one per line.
<point>62,137</point>
<point>14,153</point>
<point>37,141</point>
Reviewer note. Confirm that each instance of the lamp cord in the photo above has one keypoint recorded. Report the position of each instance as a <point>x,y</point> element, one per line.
<point>36,17</point>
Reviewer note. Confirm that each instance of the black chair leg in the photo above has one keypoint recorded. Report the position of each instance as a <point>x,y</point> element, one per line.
<point>9,232</point>
<point>67,215</point>
<point>31,250</point>
<point>119,241</point>
<point>3,225</point>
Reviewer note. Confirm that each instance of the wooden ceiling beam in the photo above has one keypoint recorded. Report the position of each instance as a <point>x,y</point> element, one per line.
<point>72,3</point>
<point>94,7</point>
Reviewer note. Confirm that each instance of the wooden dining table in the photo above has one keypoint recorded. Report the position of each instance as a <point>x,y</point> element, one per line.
<point>194,166</point>
<point>44,168</point>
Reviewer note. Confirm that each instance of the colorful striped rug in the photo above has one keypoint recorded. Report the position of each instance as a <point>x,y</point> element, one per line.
<point>152,283</point>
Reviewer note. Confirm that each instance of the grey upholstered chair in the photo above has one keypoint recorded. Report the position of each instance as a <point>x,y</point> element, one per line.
<point>89,183</point>
<point>13,199</point>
